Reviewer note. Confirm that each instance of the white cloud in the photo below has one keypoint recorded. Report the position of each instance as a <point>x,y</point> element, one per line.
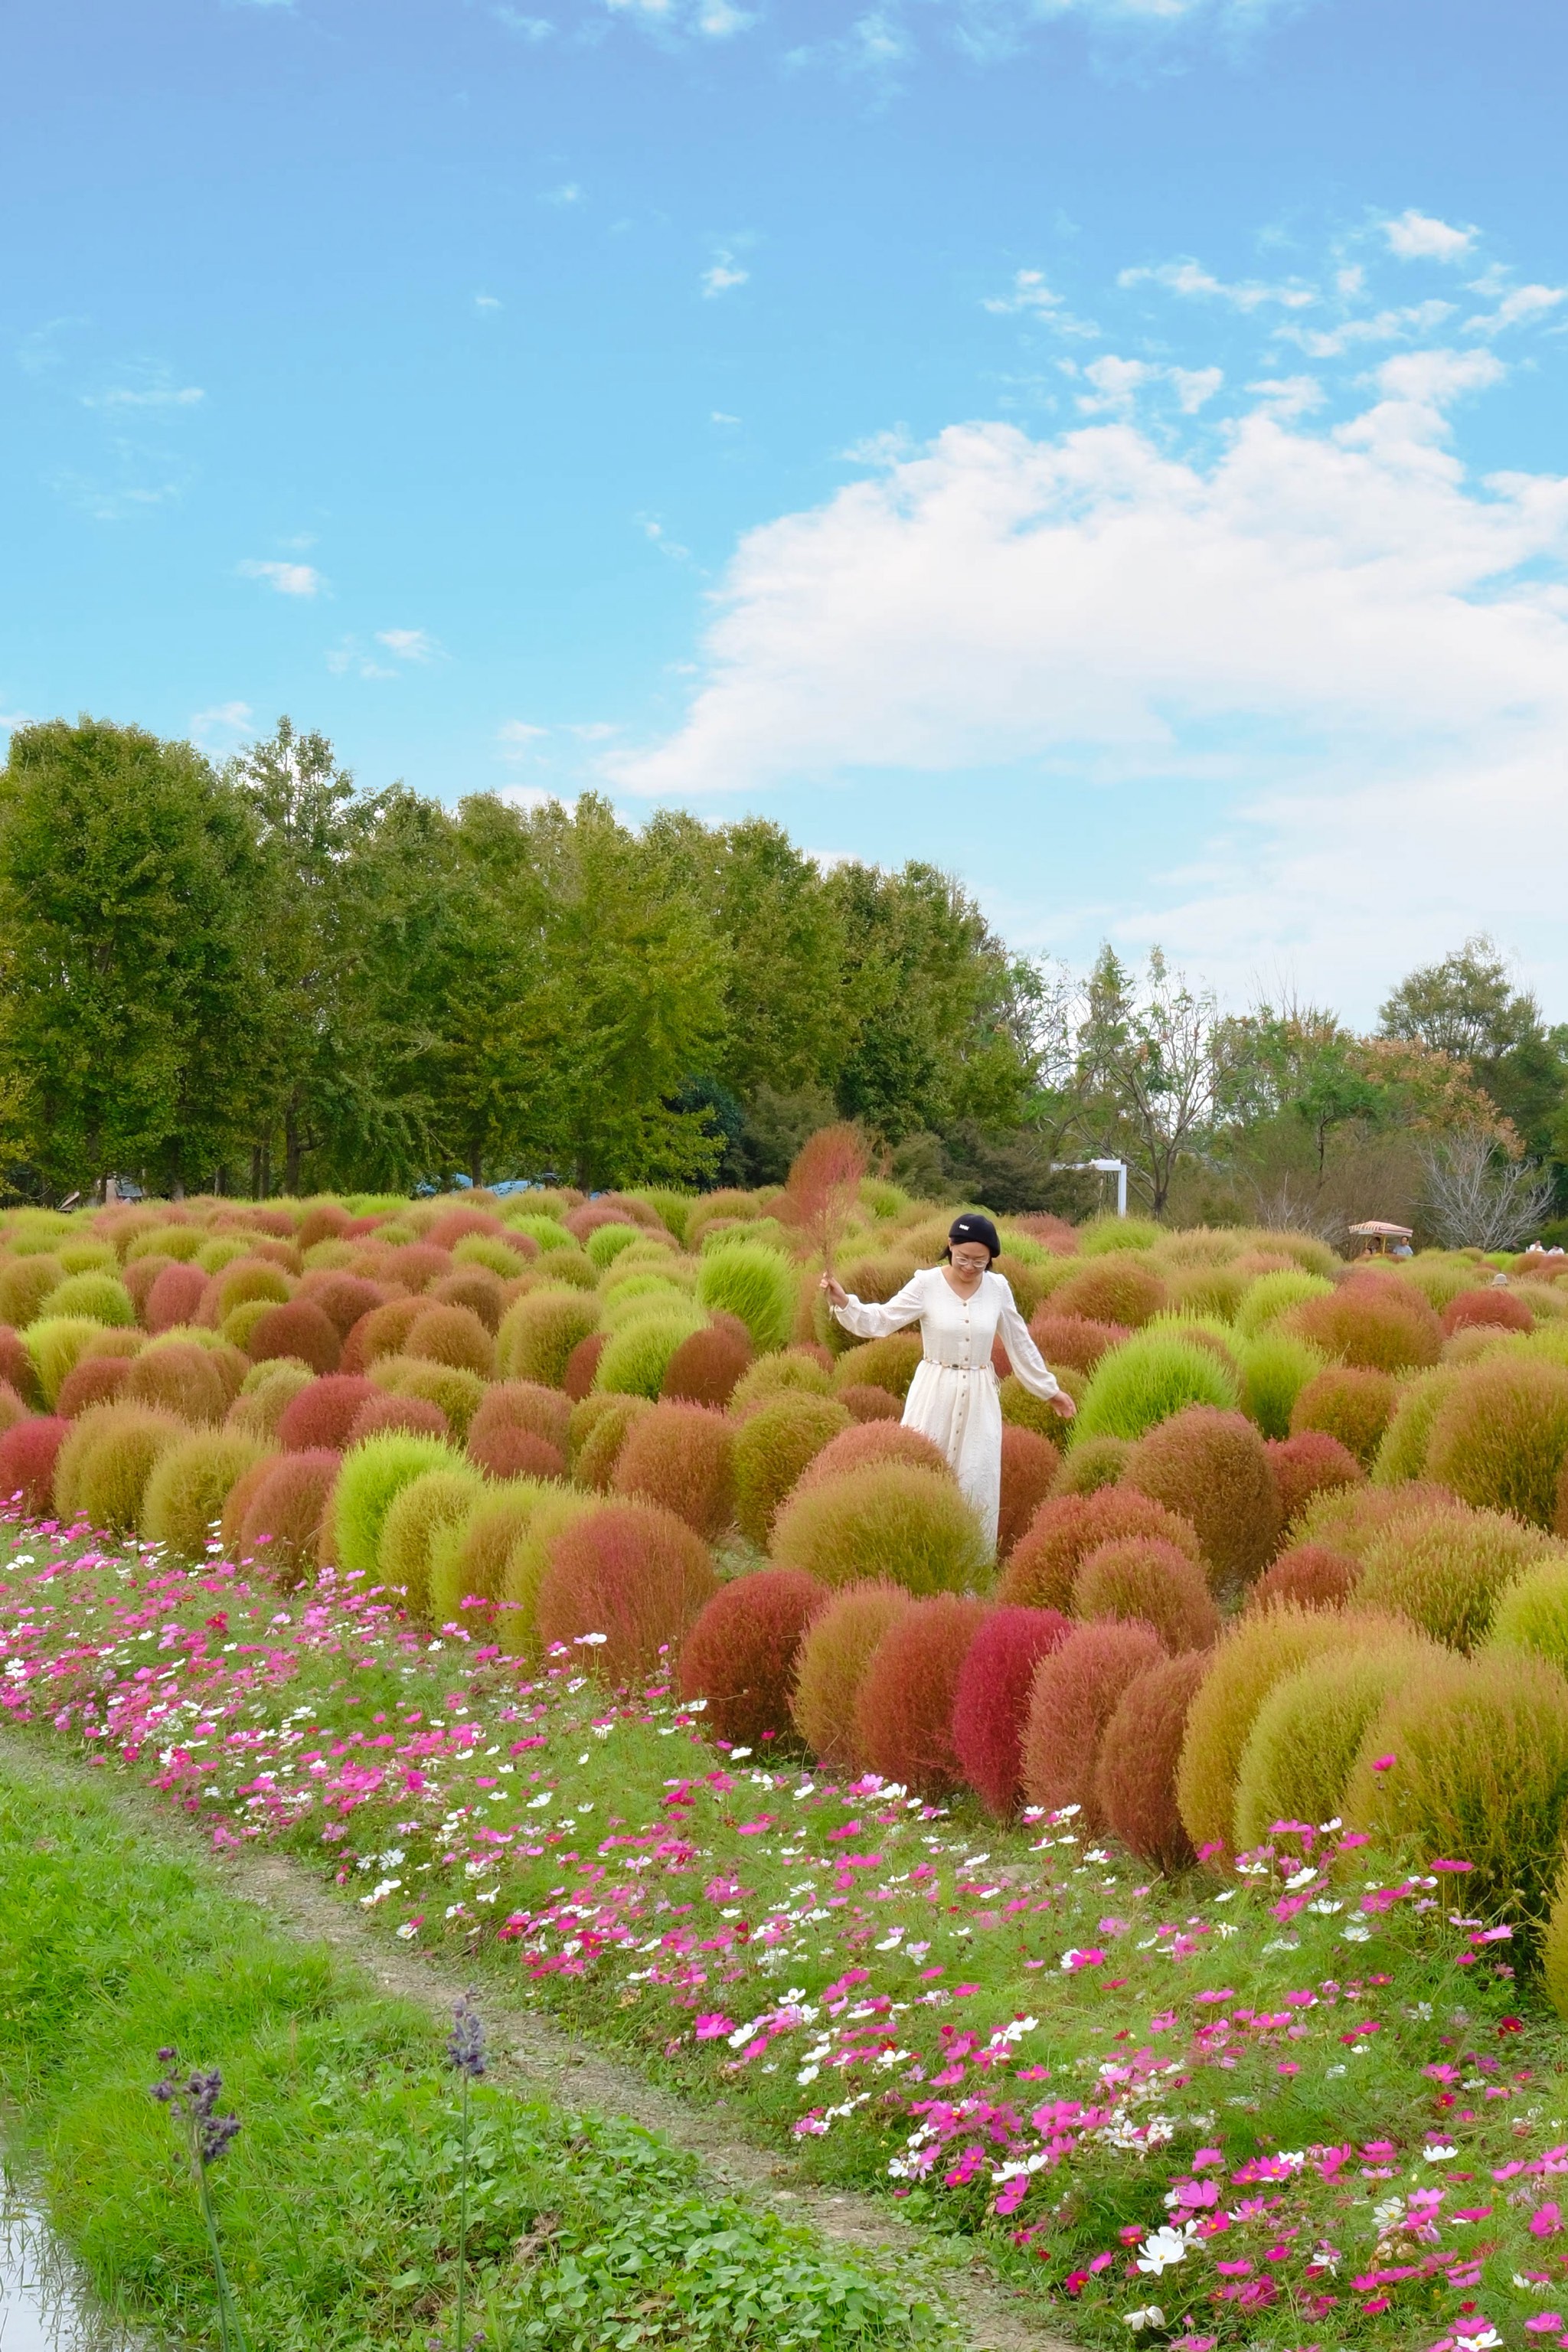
<point>408,644</point>
<point>723,416</point>
<point>289,579</point>
<point>1189,278</point>
<point>154,396</point>
<point>1417,237</point>
<point>1291,395</point>
<point>1416,319</point>
<point>1522,303</point>
<point>529,797</point>
<point>1338,620</point>
<point>517,737</point>
<point>40,350</point>
<point>487,302</point>
<point>723,275</point>
<point>654,531</point>
<point>1032,297</point>
<point>568,192</point>
<point>527,28</point>
<point>347,659</point>
<point>218,730</point>
<point>1117,383</point>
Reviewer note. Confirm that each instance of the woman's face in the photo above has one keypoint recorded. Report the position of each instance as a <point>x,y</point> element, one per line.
<point>969,1258</point>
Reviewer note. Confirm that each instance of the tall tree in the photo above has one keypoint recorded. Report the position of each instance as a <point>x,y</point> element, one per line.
<point>1152,1069</point>
<point>1467,1007</point>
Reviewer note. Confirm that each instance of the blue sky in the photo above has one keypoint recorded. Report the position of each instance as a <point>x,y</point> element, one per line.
<point>1114,448</point>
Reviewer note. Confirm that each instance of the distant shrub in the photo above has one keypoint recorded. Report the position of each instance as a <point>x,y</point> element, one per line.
<point>474,1290</point>
<point>681,1457</point>
<point>596,1451</point>
<point>1276,1366</point>
<point>1206,1290</point>
<point>1372,1319</point>
<point>605,1242</point>
<point>414,1265</point>
<point>25,1283</point>
<point>343,1299</point>
<point>182,1504</point>
<point>739,1655</point>
<point>1144,1579</point>
<point>29,1452</point>
<point>903,1714</point>
<point>1487,1309</point>
<point>438,1500</point>
<point>54,1344</point>
<point>457,1394</point>
<point>374,1471</point>
<point>1531,1614</point>
<point>469,1558</point>
<point>705,1368</point>
<point>758,1285</point>
<point>250,1280</point>
<point>991,1700</point>
<point>628,1295</point>
<point>831,1664</point>
<point>100,1297</point>
<point>1447,1571</point>
<point>1348,1403</point>
<point>1104,1236</point>
<point>1144,1382</point>
<point>1076,1692</point>
<point>794,1371</point>
<point>890,1363</point>
<point>268,1391</point>
<point>1029,1465</point>
<point>505,1259</point>
<point>1273,1295</point>
<point>1257,1651</point>
<point>1074,1338</point>
<point>636,1356</point>
<point>104,1465</point>
<point>1306,1737</point>
<point>1044,1562</point>
<point>94,1380</point>
<point>454,1336</point>
<point>772,1447</point>
<point>284,1504</point>
<point>1093,1463</point>
<point>1116,1289</point>
<point>180,1376</point>
<point>1211,1468</point>
<point>1480,1772</point>
<point>1500,1438</point>
<point>381,1332</point>
<point>870,1443</point>
<point>1306,1465</point>
<point>321,1413</point>
<point>547,1232</point>
<point>1138,1759</point>
<point>913,1527</point>
<point>632,1572</point>
<point>867,1403</point>
<point>462,1222</point>
<point>174,1297</point>
<point>1310,1575</point>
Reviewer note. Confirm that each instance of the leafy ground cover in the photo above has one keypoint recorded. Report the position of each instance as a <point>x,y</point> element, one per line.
<point>339,2199</point>
<point>1307,2104</point>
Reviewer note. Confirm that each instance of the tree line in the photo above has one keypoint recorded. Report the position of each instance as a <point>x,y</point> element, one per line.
<point>260,978</point>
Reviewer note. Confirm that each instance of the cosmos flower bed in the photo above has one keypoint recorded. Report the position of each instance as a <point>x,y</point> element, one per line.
<point>1304,2100</point>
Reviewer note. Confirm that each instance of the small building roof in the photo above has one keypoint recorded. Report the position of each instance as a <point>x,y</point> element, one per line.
<point>1393,1233</point>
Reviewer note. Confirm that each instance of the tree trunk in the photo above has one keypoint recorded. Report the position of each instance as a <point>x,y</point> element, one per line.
<point>293,1151</point>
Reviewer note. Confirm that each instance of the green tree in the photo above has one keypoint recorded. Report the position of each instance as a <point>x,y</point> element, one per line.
<point>1467,1007</point>
<point>1151,1070</point>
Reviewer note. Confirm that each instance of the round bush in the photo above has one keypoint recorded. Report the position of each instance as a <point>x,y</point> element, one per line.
<point>1348,1403</point>
<point>181,1378</point>
<point>1487,1309</point>
<point>183,1504</point>
<point>773,1446</point>
<point>453,1335</point>
<point>16,1366</point>
<point>756,1283</point>
<point>1500,1438</point>
<point>55,1345</point>
<point>374,1473</point>
<point>515,1627</point>
<point>1092,1465</point>
<point>468,1560</point>
<point>1273,1295</point>
<point>913,1527</point>
<point>174,1297</point>
<point>381,1332</point>
<point>458,1394</point>
<point>1353,1518</point>
<point>705,1369</point>
<point>1044,1565</point>
<point>414,1266</point>
<point>1020,1410</point>
<point>104,1465</point>
<point>1075,1691</point>
<point>29,1452</point>
<point>1402,1453</point>
<point>681,1457</point>
<point>583,1366</point>
<point>1531,1614</point>
<point>1307,1734</point>
<point>300,1329</point>
<point>632,1572</point>
<point>797,1371</point>
<point>1310,1575</point>
<point>473,1290</point>
<point>100,1297</point>
<point>597,1449</point>
<point>1116,1289</point>
<point>868,1443</point>
<point>831,1665</point>
<point>1480,1774</point>
<point>1275,1367</point>
<point>991,1700</point>
<point>1306,1465</point>
<point>248,1281</point>
<point>1446,1572</point>
<point>521,1405</point>
<point>869,1403</point>
<point>25,1283</point>
<point>420,1510</point>
<point>636,1357</point>
<point>96,1380</point>
<point>321,1413</point>
<point>1374,1321</point>
<point>1142,1579</point>
<point>268,1392</point>
<point>1137,1761</point>
<point>741,1654</point>
<point>285,1508</point>
<point>903,1714</point>
<point>1029,1466</point>
<point>1146,1380</point>
<point>12,1408</point>
<point>1074,1338</point>
<point>343,1299</point>
<point>1211,1468</point>
<point>890,1363</point>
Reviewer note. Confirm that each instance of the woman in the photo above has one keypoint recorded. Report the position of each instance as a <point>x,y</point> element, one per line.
<point>954,1399</point>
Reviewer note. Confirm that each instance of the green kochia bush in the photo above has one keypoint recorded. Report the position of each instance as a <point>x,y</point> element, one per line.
<point>772,1448</point>
<point>1500,1437</point>
<point>189,1485</point>
<point>1533,1613</point>
<point>1448,1570</point>
<point>636,1357</point>
<point>890,1520</point>
<point>469,1555</point>
<point>1402,1453</point>
<point>755,1284</point>
<point>57,1344</point>
<point>1144,1381</point>
<point>105,1463</point>
<point>418,1513</point>
<point>1307,1734</point>
<point>832,1662</point>
<point>99,1295</point>
<point>372,1476</point>
<point>1276,1366</point>
<point>539,1331</point>
<point>1273,1295</point>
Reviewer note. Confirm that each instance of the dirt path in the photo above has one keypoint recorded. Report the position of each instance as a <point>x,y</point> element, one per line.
<point>542,2057</point>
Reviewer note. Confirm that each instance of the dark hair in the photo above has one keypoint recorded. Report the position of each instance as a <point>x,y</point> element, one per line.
<point>974,1227</point>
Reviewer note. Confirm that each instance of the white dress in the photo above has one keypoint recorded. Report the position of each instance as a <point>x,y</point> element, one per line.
<point>954,1398</point>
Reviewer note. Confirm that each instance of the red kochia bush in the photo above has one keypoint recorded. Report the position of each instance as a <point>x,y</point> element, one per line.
<point>522,1404</point>
<point>903,1716</point>
<point>740,1654</point>
<point>282,1523</point>
<point>1304,1464</point>
<point>322,1415</point>
<point>1500,1308</point>
<point>681,1457</point>
<point>16,1366</point>
<point>175,1298</point>
<point>414,1266</point>
<point>992,1700</point>
<point>581,1364</point>
<point>1075,1339</point>
<point>511,1452</point>
<point>1313,1576</point>
<point>295,1329</point>
<point>27,1461</point>
<point>455,1225</point>
<point>705,1368</point>
<point>94,1380</point>
<point>342,1298</point>
<point>1067,1527</point>
<point>1029,1465</point>
<point>628,1571</point>
<point>1076,1690</point>
<point>871,1441</point>
<point>1210,1467</point>
<point>867,1401</point>
<point>380,1333</point>
<point>1374,1320</point>
<point>384,1411</point>
<point>1135,1773</point>
<point>1143,1581</point>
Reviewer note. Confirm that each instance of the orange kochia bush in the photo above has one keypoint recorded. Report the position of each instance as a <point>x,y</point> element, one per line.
<point>281,1526</point>
<point>1142,1580</point>
<point>739,1655</point>
<point>1029,1466</point>
<point>1135,1767</point>
<point>682,1456</point>
<point>1076,1690</point>
<point>903,1716</point>
<point>1304,1464</point>
<point>833,1663</point>
<point>1312,1575</point>
<point>631,1572</point>
<point>1211,1468</point>
<point>991,1700</point>
<point>1374,1320</point>
<point>322,1415</point>
<point>705,1368</point>
<point>1067,1527</point>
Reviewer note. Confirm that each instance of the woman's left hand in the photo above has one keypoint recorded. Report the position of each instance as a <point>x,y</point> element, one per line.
<point>1062,1406</point>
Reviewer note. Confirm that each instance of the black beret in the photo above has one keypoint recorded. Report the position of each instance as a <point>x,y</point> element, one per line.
<point>973,1227</point>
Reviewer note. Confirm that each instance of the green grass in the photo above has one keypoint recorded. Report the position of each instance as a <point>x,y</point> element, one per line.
<point>338,2204</point>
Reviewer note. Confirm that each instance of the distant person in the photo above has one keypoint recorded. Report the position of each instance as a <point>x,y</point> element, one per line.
<point>1402,1249</point>
<point>955,1399</point>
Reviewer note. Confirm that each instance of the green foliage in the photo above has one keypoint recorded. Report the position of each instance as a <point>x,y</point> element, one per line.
<point>772,1447</point>
<point>183,1501</point>
<point>1531,1614</point>
<point>757,1283</point>
<point>1500,1437</point>
<point>420,1511</point>
<point>1307,1735</point>
<point>1402,1454</point>
<point>548,1232</point>
<point>635,1357</point>
<point>25,1283</point>
<point>1105,1234</point>
<point>106,1462</point>
<point>890,1520</point>
<point>1273,1295</point>
<point>469,1555</point>
<point>1274,1368</point>
<point>539,1331</point>
<point>56,1345</point>
<point>372,1476</point>
<point>1447,1570</point>
<point>1093,1463</point>
<point>457,1390</point>
<point>1143,1381</point>
<point>605,1242</point>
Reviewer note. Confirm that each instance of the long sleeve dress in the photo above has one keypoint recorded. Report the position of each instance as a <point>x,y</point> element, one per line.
<point>955,1399</point>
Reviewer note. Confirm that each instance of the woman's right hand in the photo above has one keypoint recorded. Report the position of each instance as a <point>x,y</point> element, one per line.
<point>836,1294</point>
